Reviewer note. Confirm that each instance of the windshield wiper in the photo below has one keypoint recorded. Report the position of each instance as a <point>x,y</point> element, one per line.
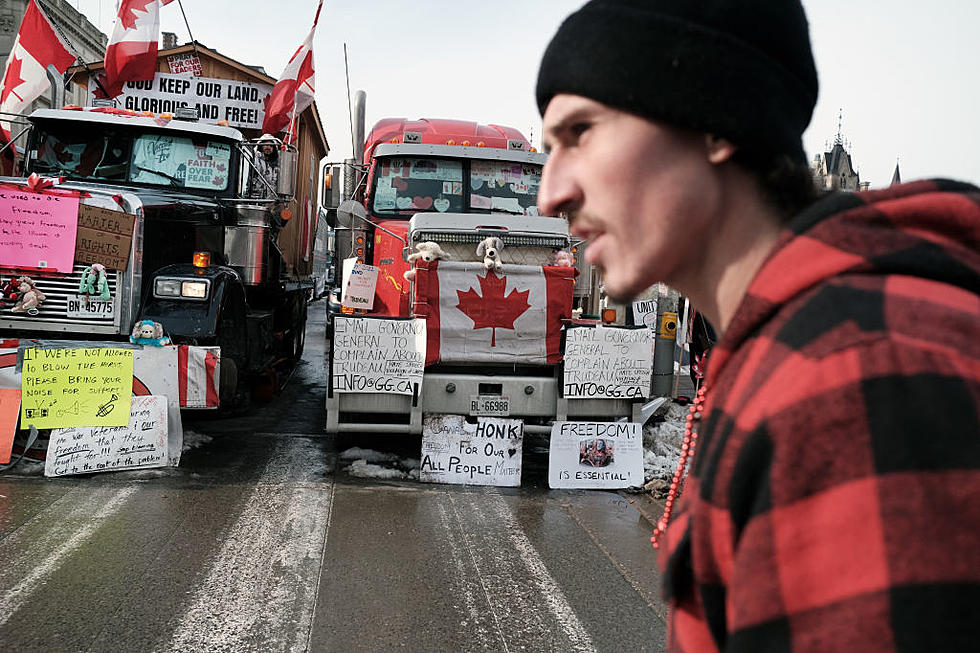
<point>174,181</point>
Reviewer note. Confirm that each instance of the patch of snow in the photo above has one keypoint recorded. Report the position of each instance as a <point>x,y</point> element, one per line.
<point>662,443</point>
<point>369,455</point>
<point>193,440</point>
<point>364,469</point>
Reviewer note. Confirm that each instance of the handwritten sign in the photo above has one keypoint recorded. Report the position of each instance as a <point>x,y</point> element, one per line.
<point>359,287</point>
<point>608,363</point>
<point>141,442</point>
<point>378,355</point>
<point>645,313</point>
<point>104,236</point>
<point>76,387</point>
<point>242,104</point>
<point>596,455</point>
<point>37,230</point>
<point>9,409</point>
<point>184,64</point>
<point>485,453</point>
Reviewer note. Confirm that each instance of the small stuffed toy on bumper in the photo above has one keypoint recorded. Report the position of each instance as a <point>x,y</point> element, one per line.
<point>30,297</point>
<point>427,251</point>
<point>148,332</point>
<point>94,281</point>
<point>489,249</point>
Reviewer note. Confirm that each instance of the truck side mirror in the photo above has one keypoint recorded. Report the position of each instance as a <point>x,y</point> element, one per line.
<point>287,173</point>
<point>348,210</point>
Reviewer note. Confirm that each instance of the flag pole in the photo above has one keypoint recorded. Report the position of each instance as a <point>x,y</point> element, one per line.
<point>193,42</point>
<point>68,42</point>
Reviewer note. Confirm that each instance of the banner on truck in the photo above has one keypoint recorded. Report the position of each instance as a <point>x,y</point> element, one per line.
<point>140,443</point>
<point>485,453</point>
<point>596,455</point>
<point>608,363</point>
<point>242,104</point>
<point>378,355</point>
<point>37,230</point>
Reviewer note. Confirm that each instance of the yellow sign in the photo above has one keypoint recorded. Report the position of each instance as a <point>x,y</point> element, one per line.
<point>76,387</point>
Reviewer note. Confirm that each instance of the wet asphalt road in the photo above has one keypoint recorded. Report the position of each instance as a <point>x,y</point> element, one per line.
<point>259,541</point>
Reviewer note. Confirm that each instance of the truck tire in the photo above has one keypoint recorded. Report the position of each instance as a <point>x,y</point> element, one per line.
<point>298,336</point>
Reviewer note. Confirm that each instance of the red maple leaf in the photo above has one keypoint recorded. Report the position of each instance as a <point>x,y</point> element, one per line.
<point>12,80</point>
<point>127,13</point>
<point>493,310</point>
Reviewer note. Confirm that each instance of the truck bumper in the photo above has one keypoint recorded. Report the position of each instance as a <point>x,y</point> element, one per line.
<point>533,399</point>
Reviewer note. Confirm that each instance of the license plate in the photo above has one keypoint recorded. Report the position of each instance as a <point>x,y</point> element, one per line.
<point>489,405</point>
<point>94,308</point>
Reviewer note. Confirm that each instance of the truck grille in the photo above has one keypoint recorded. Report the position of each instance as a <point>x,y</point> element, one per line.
<point>53,312</point>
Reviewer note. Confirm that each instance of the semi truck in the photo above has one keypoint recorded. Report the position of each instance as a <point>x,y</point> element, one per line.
<point>198,254</point>
<point>457,183</point>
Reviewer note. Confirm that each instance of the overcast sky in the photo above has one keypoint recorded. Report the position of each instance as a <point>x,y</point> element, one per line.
<point>904,71</point>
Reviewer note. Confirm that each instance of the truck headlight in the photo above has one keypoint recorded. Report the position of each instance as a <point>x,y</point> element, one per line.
<point>194,289</point>
<point>167,288</point>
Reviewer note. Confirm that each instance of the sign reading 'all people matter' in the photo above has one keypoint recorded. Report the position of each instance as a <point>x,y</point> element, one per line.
<point>608,363</point>
<point>597,455</point>
<point>485,453</point>
<point>378,355</point>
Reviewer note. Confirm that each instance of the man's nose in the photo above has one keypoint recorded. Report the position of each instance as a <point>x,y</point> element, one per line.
<point>558,191</point>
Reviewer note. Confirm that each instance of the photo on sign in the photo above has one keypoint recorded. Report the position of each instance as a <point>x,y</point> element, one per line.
<point>596,452</point>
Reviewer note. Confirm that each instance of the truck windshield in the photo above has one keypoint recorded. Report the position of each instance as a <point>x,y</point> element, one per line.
<point>158,159</point>
<point>405,186</point>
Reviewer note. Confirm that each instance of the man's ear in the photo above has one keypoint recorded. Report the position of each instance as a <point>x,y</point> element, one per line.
<point>719,149</point>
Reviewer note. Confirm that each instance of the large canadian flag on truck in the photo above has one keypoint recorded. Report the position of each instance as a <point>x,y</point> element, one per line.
<point>131,53</point>
<point>25,79</point>
<point>473,314</point>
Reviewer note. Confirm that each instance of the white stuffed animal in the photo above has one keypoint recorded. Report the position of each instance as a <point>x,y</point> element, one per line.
<point>427,251</point>
<point>489,249</point>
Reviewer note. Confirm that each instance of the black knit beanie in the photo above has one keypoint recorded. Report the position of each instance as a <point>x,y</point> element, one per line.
<point>738,69</point>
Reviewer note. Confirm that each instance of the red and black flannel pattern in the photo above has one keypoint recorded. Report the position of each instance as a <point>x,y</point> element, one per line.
<point>834,498</point>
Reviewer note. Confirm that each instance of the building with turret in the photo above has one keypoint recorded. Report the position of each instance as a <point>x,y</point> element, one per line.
<point>834,170</point>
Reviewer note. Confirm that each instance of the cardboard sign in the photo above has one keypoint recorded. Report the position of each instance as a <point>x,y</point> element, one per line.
<point>645,313</point>
<point>242,104</point>
<point>104,236</point>
<point>360,287</point>
<point>597,455</point>
<point>608,363</point>
<point>485,453</point>
<point>185,64</point>
<point>378,355</point>
<point>141,442</point>
<point>76,387</point>
<point>37,230</point>
<point>9,411</point>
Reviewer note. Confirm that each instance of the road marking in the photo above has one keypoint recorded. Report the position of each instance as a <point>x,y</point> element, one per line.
<point>504,559</point>
<point>45,543</point>
<point>261,588</point>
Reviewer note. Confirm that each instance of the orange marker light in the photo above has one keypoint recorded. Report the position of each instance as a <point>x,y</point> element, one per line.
<point>450,142</point>
<point>465,143</point>
<point>286,214</point>
<point>202,259</point>
<point>609,315</point>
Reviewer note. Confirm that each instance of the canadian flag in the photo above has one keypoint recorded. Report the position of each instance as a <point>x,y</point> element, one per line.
<point>131,54</point>
<point>475,314</point>
<point>294,91</point>
<point>25,79</point>
<point>198,374</point>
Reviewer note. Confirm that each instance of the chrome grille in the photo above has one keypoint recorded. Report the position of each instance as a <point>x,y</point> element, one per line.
<point>53,312</point>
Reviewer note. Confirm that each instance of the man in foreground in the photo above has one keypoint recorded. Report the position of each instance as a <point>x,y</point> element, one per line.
<point>833,502</point>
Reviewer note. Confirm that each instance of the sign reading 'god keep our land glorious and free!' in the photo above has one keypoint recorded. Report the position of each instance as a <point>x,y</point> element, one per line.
<point>37,230</point>
<point>76,387</point>
<point>608,363</point>
<point>378,355</point>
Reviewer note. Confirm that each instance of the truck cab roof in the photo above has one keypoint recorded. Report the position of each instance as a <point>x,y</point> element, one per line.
<point>110,116</point>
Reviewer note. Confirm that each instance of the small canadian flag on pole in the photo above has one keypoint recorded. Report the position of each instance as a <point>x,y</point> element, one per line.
<point>295,90</point>
<point>131,54</point>
<point>25,79</point>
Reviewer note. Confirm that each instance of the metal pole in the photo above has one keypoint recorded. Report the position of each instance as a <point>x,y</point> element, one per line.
<point>191,36</point>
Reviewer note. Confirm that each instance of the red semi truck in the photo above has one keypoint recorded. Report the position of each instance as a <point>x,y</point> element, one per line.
<point>494,336</point>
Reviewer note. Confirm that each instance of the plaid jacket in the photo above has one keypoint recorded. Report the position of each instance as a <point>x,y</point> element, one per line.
<point>834,498</point>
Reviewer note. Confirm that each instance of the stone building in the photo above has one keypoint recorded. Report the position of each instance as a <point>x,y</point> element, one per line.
<point>834,170</point>
<point>82,37</point>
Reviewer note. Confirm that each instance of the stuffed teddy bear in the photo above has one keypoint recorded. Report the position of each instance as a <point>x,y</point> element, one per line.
<point>30,297</point>
<point>10,291</point>
<point>564,258</point>
<point>94,281</point>
<point>148,332</point>
<point>427,251</point>
<point>489,249</point>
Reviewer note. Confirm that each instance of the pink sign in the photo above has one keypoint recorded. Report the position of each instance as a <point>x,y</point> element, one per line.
<point>37,231</point>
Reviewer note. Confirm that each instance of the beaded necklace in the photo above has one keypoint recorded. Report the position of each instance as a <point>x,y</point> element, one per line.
<point>687,450</point>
